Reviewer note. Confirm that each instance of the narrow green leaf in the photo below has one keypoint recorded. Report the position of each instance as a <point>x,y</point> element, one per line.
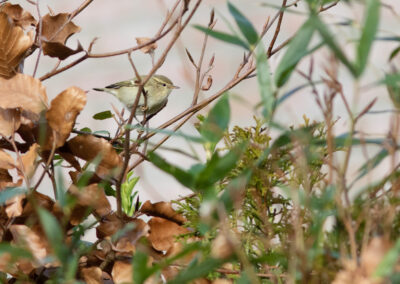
<point>387,265</point>
<point>265,82</point>
<point>103,115</point>
<point>233,39</point>
<point>217,121</point>
<point>245,26</point>
<point>394,53</point>
<point>54,234</point>
<point>218,167</point>
<point>296,50</point>
<point>142,271</point>
<point>9,193</point>
<point>371,23</point>
<point>197,270</point>
<point>14,251</point>
<point>329,40</point>
<point>181,175</point>
<point>372,163</point>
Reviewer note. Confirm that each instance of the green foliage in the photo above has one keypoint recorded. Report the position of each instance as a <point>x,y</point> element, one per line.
<point>127,198</point>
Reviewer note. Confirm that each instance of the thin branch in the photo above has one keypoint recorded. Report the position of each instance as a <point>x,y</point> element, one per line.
<point>278,28</point>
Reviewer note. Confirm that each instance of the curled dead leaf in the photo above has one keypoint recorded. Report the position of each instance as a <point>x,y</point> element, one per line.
<point>20,16</point>
<point>5,179</point>
<point>62,114</point>
<point>60,50</point>
<point>163,233</point>
<point>163,210</point>
<point>148,48</point>
<point>34,242</point>
<point>6,161</point>
<point>221,247</point>
<point>92,275</point>
<point>58,28</point>
<point>127,242</point>
<point>122,272</point>
<point>91,196</point>
<point>55,32</point>
<point>28,160</point>
<point>14,206</point>
<point>13,45</point>
<point>88,147</point>
<point>25,92</point>
<point>10,120</point>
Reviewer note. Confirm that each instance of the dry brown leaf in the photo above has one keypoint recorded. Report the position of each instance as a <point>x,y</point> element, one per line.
<point>122,272</point>
<point>88,147</point>
<point>42,201</point>
<point>163,210</point>
<point>62,114</point>
<point>364,272</point>
<point>6,264</point>
<point>28,160</point>
<point>13,45</point>
<point>59,50</point>
<point>55,32</point>
<point>148,48</point>
<point>20,17</point>
<point>26,237</point>
<point>14,206</point>
<point>90,196</point>
<point>5,179</point>
<point>126,243</point>
<point>10,120</point>
<point>221,247</point>
<point>163,233</point>
<point>6,161</point>
<point>109,225</point>
<point>25,92</point>
<point>58,28</point>
<point>92,275</point>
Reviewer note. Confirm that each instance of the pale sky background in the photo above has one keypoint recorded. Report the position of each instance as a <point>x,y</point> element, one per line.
<point>118,23</point>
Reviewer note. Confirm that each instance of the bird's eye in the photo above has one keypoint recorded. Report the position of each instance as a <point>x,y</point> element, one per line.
<point>164,85</point>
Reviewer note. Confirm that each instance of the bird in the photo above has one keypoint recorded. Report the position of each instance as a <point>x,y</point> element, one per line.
<point>157,90</point>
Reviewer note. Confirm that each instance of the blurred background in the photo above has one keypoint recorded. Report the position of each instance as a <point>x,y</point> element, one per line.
<point>116,24</point>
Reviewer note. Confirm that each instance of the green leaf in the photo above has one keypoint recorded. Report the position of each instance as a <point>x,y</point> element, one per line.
<point>371,23</point>
<point>265,83</point>
<point>296,50</point>
<point>372,163</point>
<point>15,252</point>
<point>218,167</point>
<point>328,39</point>
<point>11,192</point>
<point>197,270</point>
<point>126,192</point>
<point>140,268</point>
<point>217,121</point>
<point>233,39</point>
<point>181,175</point>
<point>394,53</point>
<point>387,265</point>
<point>54,234</point>
<point>247,29</point>
<point>103,115</point>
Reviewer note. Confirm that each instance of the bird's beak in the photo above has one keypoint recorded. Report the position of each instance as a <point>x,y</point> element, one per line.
<point>173,87</point>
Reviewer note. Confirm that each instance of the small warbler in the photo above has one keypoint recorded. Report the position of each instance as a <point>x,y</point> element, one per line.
<point>157,89</point>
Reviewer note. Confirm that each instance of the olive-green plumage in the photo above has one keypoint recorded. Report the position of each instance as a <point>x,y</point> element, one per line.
<point>157,89</point>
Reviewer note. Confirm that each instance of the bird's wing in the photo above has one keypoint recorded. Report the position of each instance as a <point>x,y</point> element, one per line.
<point>129,83</point>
